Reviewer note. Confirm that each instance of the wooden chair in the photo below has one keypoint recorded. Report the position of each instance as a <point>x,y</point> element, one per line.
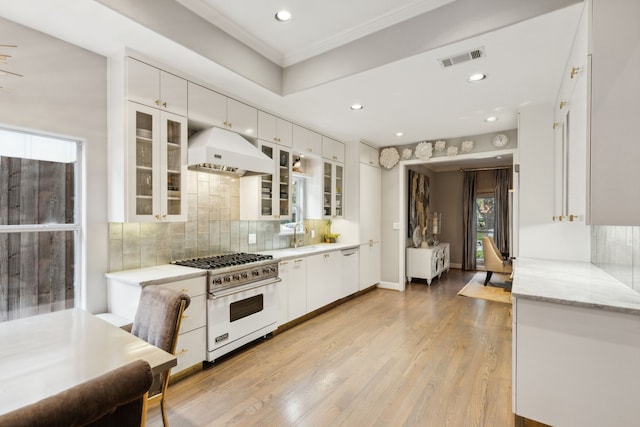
<point>117,398</point>
<point>493,260</point>
<point>157,321</point>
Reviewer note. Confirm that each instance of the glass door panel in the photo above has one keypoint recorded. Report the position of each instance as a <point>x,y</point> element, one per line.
<point>284,180</point>
<point>339,204</point>
<point>144,163</point>
<point>174,167</point>
<point>326,189</point>
<point>266,187</point>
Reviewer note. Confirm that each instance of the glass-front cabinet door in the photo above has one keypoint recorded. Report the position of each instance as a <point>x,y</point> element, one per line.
<point>275,190</point>
<point>332,190</point>
<point>158,173</point>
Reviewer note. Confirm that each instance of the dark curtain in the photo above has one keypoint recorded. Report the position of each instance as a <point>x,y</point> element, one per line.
<point>469,220</point>
<point>501,195</point>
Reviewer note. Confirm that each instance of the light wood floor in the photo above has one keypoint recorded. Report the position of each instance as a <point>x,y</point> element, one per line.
<point>425,357</point>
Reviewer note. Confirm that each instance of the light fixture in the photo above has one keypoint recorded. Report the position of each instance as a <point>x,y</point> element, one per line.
<point>498,157</point>
<point>357,107</point>
<point>399,133</point>
<point>491,119</point>
<point>283,16</point>
<point>476,77</point>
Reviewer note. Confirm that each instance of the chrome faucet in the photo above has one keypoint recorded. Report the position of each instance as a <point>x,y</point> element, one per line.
<point>296,242</point>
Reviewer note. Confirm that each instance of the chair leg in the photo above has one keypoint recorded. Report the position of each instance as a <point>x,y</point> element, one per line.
<point>165,421</point>
<point>486,280</point>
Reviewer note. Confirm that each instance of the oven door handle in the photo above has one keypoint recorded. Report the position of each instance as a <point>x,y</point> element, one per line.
<point>236,289</point>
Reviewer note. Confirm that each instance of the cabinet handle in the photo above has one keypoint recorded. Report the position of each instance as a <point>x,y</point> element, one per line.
<point>370,162</point>
<point>157,217</point>
<point>574,217</point>
<point>563,104</point>
<point>164,104</point>
<point>298,260</point>
<point>574,71</point>
<point>335,157</point>
<point>164,216</point>
<point>555,125</point>
<point>185,316</point>
<point>284,263</point>
<point>183,351</point>
<point>309,149</point>
<point>184,290</point>
<point>370,243</point>
<point>157,102</point>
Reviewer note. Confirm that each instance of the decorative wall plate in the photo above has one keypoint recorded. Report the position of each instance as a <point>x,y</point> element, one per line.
<point>440,144</point>
<point>500,140</point>
<point>452,151</point>
<point>466,146</point>
<point>424,150</point>
<point>389,157</point>
<point>407,153</point>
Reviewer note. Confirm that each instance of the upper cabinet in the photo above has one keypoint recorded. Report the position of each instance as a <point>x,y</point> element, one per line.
<point>274,129</point>
<point>209,108</point>
<point>268,196</point>
<point>332,190</point>
<point>614,107</point>
<point>369,155</point>
<point>156,88</point>
<point>332,149</point>
<point>306,142</point>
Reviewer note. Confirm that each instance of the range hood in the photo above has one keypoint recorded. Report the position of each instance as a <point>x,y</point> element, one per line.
<point>218,150</point>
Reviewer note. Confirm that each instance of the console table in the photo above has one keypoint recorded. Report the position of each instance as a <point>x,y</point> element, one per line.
<point>427,263</point>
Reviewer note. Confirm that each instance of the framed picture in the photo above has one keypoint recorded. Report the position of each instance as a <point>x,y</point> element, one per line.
<point>418,201</point>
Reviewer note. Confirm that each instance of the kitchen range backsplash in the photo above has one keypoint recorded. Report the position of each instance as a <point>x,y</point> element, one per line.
<point>212,227</point>
<point>616,250</point>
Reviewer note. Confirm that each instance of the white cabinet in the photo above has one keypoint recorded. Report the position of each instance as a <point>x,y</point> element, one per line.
<point>332,190</point>
<point>332,149</point>
<point>153,185</point>
<point>427,263</point>
<point>571,134</point>
<point>124,294</point>
<point>306,142</point>
<point>274,129</point>
<point>156,88</point>
<point>614,108</point>
<point>209,108</point>
<point>324,279</point>
<point>268,196</point>
<point>350,264</point>
<point>369,155</point>
<point>292,289</point>
<point>369,225</point>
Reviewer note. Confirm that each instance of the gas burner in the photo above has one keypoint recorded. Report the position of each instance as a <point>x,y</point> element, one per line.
<point>223,261</point>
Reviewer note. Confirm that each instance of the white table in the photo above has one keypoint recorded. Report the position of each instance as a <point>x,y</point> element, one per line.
<point>43,355</point>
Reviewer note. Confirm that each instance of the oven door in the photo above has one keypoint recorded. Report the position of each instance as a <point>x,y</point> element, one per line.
<point>240,315</point>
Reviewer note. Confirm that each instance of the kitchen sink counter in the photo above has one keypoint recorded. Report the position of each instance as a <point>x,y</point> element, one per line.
<point>572,283</point>
<point>156,275</point>
<point>291,253</point>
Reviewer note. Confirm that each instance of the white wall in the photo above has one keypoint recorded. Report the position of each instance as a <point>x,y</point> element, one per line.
<point>64,92</point>
<point>389,238</point>
<point>539,236</point>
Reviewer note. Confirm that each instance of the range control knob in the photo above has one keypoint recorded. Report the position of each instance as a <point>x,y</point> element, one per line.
<point>245,274</point>
<point>236,276</point>
<point>256,272</point>
<point>274,269</point>
<point>227,278</point>
<point>218,280</point>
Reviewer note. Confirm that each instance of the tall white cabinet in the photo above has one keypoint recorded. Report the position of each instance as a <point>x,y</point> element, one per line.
<point>370,225</point>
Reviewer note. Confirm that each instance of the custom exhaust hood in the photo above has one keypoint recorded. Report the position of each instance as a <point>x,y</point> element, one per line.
<point>221,151</point>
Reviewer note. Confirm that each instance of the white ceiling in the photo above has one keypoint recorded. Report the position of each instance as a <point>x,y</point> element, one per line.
<point>413,94</point>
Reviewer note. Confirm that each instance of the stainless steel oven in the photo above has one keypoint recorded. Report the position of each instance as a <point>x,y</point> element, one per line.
<point>241,302</point>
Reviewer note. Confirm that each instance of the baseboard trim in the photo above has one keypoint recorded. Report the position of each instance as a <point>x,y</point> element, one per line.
<point>455,265</point>
<point>390,285</point>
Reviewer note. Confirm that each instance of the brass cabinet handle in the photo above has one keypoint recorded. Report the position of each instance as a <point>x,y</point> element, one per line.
<point>164,104</point>
<point>157,217</point>
<point>284,263</point>
<point>563,104</point>
<point>298,260</point>
<point>309,149</point>
<point>157,102</point>
<point>574,71</point>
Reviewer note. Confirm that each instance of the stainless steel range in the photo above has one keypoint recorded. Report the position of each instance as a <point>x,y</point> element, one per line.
<point>242,299</point>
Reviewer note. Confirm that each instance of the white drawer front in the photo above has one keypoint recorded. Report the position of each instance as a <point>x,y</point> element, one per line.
<point>195,316</point>
<point>190,349</point>
<point>191,287</point>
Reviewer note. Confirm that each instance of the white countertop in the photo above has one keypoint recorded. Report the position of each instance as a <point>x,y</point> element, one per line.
<point>156,275</point>
<point>572,283</point>
<point>301,251</point>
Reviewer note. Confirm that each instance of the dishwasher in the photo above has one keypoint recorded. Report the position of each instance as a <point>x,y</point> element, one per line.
<point>350,265</point>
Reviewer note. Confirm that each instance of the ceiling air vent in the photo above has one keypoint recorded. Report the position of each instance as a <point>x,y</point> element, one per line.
<point>462,57</point>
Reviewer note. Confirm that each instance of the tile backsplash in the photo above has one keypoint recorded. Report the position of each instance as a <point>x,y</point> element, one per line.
<point>616,250</point>
<point>213,226</point>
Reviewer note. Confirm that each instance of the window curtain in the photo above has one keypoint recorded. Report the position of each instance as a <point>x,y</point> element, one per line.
<point>501,195</point>
<point>469,220</point>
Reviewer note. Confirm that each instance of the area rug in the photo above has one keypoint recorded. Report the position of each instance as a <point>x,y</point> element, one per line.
<point>498,289</point>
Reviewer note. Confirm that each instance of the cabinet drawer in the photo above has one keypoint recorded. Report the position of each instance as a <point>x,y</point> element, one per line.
<point>190,349</point>
<point>191,287</point>
<point>195,315</point>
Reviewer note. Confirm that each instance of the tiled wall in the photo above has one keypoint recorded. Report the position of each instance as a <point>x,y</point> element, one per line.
<point>213,227</point>
<point>616,250</point>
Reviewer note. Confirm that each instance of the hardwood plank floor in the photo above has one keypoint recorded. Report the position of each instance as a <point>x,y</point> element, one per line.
<point>424,357</point>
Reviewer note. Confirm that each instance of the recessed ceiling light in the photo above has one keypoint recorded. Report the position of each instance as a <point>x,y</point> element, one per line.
<point>476,77</point>
<point>491,119</point>
<point>357,107</point>
<point>283,16</point>
<point>498,157</point>
<point>399,133</point>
